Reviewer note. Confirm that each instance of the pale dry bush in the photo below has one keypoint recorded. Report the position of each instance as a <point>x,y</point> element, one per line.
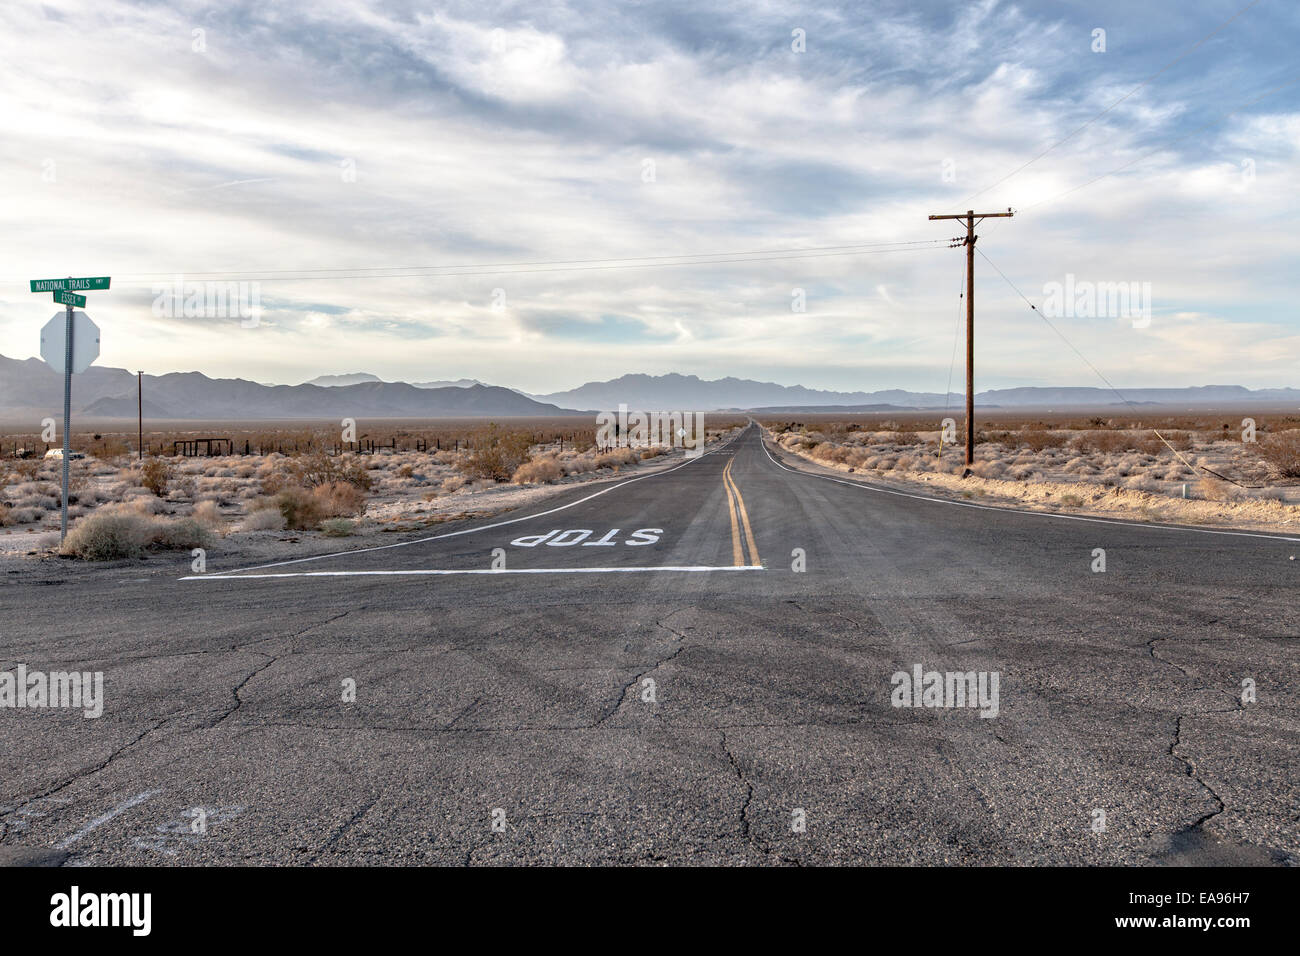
<point>1103,442</point>
<point>208,514</point>
<point>616,457</point>
<point>263,519</point>
<point>144,504</point>
<point>988,469</point>
<point>115,532</point>
<point>303,509</point>
<point>1142,483</point>
<point>1281,451</point>
<point>540,470</point>
<point>1211,488</point>
<point>578,464</point>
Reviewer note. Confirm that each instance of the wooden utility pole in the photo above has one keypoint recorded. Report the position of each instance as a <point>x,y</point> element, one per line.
<point>970,216</point>
<point>139,413</point>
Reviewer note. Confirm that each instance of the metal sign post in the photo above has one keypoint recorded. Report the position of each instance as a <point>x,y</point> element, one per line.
<point>80,349</point>
<point>67,417</point>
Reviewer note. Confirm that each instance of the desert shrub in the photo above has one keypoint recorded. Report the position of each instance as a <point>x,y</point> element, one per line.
<point>539,470</point>
<point>615,458</point>
<point>107,536</point>
<point>1104,442</point>
<point>497,454</point>
<point>337,528</point>
<point>112,534</point>
<point>296,506</point>
<point>1281,452</point>
<point>907,438</point>
<point>318,469</point>
<point>179,534</point>
<point>303,509</point>
<point>1041,440</point>
<point>263,519</point>
<point>340,498</point>
<point>1211,488</point>
<point>156,475</point>
<point>208,514</point>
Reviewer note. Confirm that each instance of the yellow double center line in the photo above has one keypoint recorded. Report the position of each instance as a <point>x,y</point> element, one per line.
<point>736,505</point>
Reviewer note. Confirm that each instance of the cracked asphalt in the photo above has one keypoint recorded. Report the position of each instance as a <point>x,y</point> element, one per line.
<point>583,705</point>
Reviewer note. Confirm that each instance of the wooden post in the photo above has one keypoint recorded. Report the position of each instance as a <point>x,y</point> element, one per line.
<point>970,216</point>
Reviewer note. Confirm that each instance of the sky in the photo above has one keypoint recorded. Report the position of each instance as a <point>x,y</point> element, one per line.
<point>408,188</point>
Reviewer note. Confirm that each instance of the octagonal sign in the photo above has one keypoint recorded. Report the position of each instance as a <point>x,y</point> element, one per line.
<point>85,341</point>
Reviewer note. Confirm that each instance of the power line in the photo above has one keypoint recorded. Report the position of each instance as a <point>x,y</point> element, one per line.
<point>685,259</point>
<point>1094,119</point>
<point>1118,394</point>
<point>910,246</point>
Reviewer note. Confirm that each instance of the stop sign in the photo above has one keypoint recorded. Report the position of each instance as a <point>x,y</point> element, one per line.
<point>85,341</point>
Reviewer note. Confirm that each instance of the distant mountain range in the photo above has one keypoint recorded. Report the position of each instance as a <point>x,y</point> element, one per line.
<point>688,392</point>
<point>358,378</point>
<point>31,389</point>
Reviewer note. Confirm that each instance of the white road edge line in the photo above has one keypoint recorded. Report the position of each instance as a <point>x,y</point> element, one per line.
<point>486,571</point>
<point>1022,511</point>
<point>240,572</point>
<point>99,821</point>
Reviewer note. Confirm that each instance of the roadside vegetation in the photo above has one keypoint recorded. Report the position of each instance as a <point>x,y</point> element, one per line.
<point>121,507</point>
<point>1089,464</point>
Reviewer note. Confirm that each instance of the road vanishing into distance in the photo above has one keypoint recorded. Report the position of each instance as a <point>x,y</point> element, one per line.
<point>696,665</point>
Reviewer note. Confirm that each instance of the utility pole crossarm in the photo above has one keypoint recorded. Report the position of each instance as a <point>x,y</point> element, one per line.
<point>970,216</point>
<point>978,215</point>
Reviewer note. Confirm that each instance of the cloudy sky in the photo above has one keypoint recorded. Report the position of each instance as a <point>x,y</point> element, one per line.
<point>435,191</point>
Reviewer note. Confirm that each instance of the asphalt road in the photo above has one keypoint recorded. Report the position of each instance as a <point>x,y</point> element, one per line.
<point>505,716</point>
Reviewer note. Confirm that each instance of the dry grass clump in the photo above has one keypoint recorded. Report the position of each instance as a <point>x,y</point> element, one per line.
<point>540,470</point>
<point>1104,442</point>
<point>616,457</point>
<point>303,509</point>
<point>497,454</point>
<point>263,519</point>
<point>1041,439</point>
<point>1281,452</point>
<point>319,469</point>
<point>1211,488</point>
<point>156,474</point>
<point>116,532</point>
<point>208,514</point>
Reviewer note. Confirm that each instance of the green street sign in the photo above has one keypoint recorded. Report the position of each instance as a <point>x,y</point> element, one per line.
<point>70,298</point>
<point>60,285</point>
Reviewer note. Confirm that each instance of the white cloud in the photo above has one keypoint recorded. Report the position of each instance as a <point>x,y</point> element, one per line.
<point>476,137</point>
